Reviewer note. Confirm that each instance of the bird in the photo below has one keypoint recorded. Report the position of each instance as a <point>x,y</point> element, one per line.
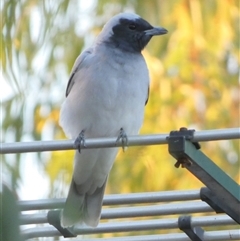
<point>106,96</point>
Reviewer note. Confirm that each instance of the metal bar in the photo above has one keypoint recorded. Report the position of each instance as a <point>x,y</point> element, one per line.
<point>140,140</point>
<point>216,135</point>
<point>127,212</point>
<point>223,235</point>
<point>117,199</point>
<point>195,234</point>
<point>224,187</point>
<point>143,225</point>
<point>39,146</point>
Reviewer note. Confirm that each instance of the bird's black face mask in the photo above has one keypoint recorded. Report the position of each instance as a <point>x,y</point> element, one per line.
<point>129,35</point>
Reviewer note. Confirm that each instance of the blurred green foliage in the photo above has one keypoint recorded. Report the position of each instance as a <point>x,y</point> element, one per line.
<point>194,73</point>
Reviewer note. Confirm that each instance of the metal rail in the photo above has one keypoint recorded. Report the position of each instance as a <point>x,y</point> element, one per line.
<point>222,194</point>
<point>116,199</point>
<point>223,191</point>
<point>173,208</point>
<point>224,235</point>
<point>130,212</point>
<point>126,226</point>
<point>208,236</point>
<point>140,140</point>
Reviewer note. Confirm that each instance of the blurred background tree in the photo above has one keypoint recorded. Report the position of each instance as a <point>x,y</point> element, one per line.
<point>194,73</point>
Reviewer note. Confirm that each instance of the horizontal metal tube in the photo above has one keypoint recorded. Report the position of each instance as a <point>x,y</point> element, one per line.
<point>223,235</point>
<point>140,140</point>
<point>127,212</point>
<point>116,199</point>
<point>131,226</point>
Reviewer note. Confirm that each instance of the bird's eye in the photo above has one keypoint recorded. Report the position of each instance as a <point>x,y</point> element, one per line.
<point>132,26</point>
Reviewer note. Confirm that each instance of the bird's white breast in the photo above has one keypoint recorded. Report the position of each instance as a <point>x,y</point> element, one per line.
<point>109,94</point>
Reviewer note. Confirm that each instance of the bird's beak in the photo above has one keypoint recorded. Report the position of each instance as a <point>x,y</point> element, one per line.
<point>155,31</point>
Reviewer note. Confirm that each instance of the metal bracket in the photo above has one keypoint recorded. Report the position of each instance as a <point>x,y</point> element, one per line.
<point>213,200</point>
<point>54,219</point>
<point>187,133</point>
<point>225,190</point>
<point>195,234</point>
<point>207,196</point>
<point>182,134</point>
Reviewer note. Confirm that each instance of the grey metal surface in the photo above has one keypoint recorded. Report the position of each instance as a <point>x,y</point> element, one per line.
<point>160,211</point>
<point>157,139</point>
<point>117,199</point>
<point>153,214</point>
<point>128,226</point>
<point>213,235</point>
<point>223,235</point>
<point>225,188</point>
<point>130,212</point>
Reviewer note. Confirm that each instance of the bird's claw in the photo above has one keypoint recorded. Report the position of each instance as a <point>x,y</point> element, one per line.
<point>80,141</point>
<point>124,139</point>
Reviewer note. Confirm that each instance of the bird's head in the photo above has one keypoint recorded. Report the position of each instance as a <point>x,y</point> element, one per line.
<point>129,32</point>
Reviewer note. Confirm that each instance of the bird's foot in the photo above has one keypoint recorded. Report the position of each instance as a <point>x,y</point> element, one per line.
<point>124,139</point>
<point>80,141</point>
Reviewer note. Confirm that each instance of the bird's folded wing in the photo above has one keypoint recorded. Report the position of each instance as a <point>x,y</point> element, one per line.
<point>76,67</point>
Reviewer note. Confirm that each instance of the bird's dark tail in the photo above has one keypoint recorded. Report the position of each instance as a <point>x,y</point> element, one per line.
<point>82,208</point>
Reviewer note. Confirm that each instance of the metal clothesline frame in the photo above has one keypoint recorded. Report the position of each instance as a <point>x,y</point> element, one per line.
<point>193,205</point>
<point>130,226</point>
<point>117,199</point>
<point>138,140</point>
<point>221,195</point>
<point>127,212</point>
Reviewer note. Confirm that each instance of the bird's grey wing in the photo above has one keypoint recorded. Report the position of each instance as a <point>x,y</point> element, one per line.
<point>147,97</point>
<point>76,67</point>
